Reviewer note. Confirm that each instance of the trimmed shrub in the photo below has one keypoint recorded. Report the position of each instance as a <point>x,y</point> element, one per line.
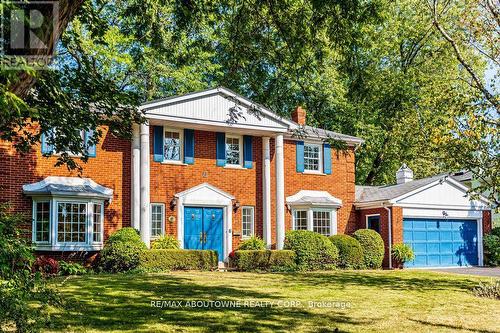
<point>166,243</point>
<point>46,266</point>
<point>253,243</point>
<point>71,268</point>
<point>121,251</point>
<point>264,260</point>
<point>161,260</point>
<point>401,253</point>
<point>350,251</point>
<point>313,251</point>
<point>492,249</point>
<point>495,231</point>
<point>373,247</point>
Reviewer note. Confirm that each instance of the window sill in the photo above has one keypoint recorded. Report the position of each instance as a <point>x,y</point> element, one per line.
<point>234,166</point>
<point>310,172</point>
<point>72,247</point>
<point>174,163</point>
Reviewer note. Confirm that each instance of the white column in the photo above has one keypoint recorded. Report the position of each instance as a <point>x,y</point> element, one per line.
<point>136,178</point>
<point>280,193</point>
<point>145,227</point>
<point>266,191</point>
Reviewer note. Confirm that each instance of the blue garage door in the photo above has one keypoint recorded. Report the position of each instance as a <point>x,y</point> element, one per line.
<point>441,242</point>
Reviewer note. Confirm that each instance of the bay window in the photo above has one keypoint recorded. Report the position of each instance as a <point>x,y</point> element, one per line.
<point>41,218</point>
<point>320,220</point>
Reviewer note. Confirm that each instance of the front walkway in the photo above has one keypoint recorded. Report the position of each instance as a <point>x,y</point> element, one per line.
<point>479,271</point>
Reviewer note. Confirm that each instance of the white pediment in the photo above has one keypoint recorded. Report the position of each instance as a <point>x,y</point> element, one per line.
<point>216,107</point>
<point>205,194</point>
<point>445,193</point>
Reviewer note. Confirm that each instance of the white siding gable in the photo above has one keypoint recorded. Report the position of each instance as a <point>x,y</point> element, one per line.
<point>440,194</point>
<point>213,108</point>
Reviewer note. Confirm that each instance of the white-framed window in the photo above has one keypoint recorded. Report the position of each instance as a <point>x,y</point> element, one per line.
<point>157,219</point>
<point>72,222</point>
<point>247,221</point>
<point>312,157</point>
<point>234,149</point>
<point>172,144</point>
<point>41,217</point>
<point>98,214</point>
<point>320,220</point>
<point>300,220</point>
<point>68,224</point>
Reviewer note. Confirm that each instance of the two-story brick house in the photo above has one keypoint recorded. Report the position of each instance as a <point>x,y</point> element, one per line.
<point>211,168</point>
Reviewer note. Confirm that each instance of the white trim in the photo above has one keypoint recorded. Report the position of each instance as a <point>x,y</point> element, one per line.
<point>218,199</point>
<point>371,215</point>
<point>252,228</point>
<point>310,217</point>
<point>240,150</point>
<point>320,158</point>
<point>180,131</point>
<point>295,199</point>
<point>162,231</point>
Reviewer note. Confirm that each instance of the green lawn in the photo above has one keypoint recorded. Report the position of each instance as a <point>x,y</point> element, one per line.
<point>388,301</point>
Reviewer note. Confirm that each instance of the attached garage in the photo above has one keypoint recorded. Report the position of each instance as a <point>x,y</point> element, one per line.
<point>442,242</point>
<point>434,216</point>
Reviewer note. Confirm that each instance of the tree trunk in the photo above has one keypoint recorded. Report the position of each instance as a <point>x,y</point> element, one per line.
<point>67,10</point>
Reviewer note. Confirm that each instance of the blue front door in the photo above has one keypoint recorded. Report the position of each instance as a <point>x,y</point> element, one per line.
<point>203,229</point>
<point>442,243</point>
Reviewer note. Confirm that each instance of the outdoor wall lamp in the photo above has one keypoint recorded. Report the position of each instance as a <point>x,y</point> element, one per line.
<point>173,203</point>
<point>236,205</point>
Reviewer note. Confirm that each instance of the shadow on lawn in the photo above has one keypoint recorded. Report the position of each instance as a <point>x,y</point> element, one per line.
<point>397,280</point>
<point>122,302</point>
<point>451,327</point>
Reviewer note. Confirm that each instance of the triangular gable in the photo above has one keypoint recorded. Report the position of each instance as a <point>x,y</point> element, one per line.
<point>445,192</point>
<point>219,107</point>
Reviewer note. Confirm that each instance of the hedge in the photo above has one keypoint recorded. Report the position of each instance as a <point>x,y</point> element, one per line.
<point>350,251</point>
<point>253,243</point>
<point>158,260</point>
<point>265,260</point>
<point>121,251</point>
<point>373,247</point>
<point>313,251</point>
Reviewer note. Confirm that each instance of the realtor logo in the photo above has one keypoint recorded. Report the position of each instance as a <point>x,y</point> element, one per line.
<point>27,33</point>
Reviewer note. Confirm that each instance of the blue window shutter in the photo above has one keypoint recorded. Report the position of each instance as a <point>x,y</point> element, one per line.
<point>221,149</point>
<point>47,148</point>
<point>300,155</point>
<point>247,151</point>
<point>327,159</point>
<point>158,143</point>
<point>189,146</point>
<point>91,149</point>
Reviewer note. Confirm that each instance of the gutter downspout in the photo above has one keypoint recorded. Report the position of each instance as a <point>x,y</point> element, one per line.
<point>389,220</point>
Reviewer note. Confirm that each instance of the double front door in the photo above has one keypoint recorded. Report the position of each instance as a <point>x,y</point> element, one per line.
<point>203,229</point>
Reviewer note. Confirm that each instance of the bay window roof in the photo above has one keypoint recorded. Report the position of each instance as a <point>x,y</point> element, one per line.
<point>68,186</point>
<point>313,198</point>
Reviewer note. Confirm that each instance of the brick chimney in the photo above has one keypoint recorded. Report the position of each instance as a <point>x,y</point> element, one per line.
<point>299,116</point>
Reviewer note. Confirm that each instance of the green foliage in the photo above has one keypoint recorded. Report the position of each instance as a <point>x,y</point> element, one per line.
<point>166,242</point>
<point>46,266</point>
<point>495,231</point>
<point>313,251</point>
<point>264,260</point>
<point>488,289</point>
<point>492,249</point>
<point>121,251</point>
<point>350,251</point>
<point>71,268</point>
<point>253,243</point>
<point>24,295</point>
<point>373,247</point>
<point>402,253</point>
<point>167,260</point>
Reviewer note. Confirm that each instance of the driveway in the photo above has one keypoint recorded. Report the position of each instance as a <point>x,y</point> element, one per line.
<point>480,271</point>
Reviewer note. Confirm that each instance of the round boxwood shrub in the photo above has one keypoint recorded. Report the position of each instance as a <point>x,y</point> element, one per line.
<point>312,250</point>
<point>253,243</point>
<point>166,243</point>
<point>121,251</point>
<point>350,251</point>
<point>373,247</point>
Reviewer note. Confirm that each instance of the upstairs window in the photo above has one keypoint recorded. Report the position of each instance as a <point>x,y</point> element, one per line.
<point>233,150</point>
<point>312,157</point>
<point>172,148</point>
